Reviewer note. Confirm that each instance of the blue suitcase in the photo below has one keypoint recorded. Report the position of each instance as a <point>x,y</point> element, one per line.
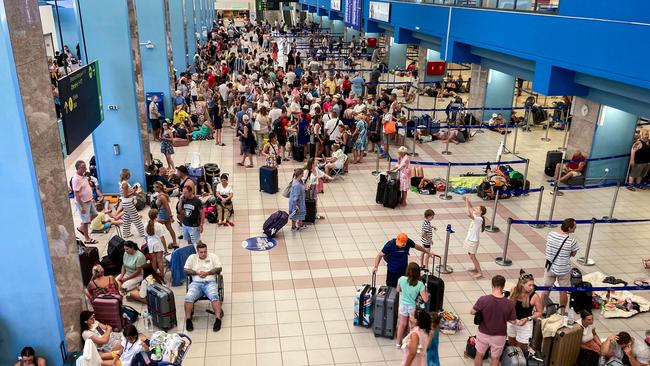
<point>268,179</point>
<point>363,304</point>
<point>275,223</point>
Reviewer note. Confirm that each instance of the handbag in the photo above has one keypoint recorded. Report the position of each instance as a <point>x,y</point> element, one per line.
<point>286,192</point>
<point>278,158</point>
<point>256,126</point>
<point>548,263</point>
<point>478,318</point>
<point>390,127</point>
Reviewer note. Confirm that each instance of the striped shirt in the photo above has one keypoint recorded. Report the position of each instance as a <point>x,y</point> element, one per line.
<point>561,265</point>
<point>427,233</point>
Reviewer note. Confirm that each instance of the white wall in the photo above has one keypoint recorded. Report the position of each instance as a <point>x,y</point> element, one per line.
<point>47,22</point>
<point>234,4</point>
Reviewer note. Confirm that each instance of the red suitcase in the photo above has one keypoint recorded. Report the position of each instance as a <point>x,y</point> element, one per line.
<point>108,310</point>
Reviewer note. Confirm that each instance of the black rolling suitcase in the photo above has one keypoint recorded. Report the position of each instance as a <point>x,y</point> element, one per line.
<point>435,287</point>
<point>553,158</point>
<point>88,257</point>
<point>581,300</point>
<point>310,216</point>
<point>161,306</point>
<point>391,193</point>
<point>268,179</point>
<point>298,153</point>
<point>381,188</point>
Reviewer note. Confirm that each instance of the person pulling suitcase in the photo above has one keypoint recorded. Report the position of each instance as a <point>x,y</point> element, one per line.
<point>396,254</point>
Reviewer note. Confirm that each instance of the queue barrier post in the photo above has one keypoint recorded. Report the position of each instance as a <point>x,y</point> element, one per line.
<point>503,260</point>
<point>435,106</point>
<point>447,152</point>
<point>505,139</point>
<point>550,215</point>
<point>376,171</point>
<point>414,131</point>
<point>586,261</point>
<point>446,196</point>
<point>548,127</point>
<point>492,228</point>
<point>388,155</point>
<point>480,120</point>
<point>566,132</point>
<point>613,205</point>
<point>514,142</point>
<point>539,207</point>
<point>526,176</point>
<point>443,267</point>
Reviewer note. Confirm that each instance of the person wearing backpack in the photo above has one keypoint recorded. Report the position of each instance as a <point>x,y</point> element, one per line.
<point>560,247</point>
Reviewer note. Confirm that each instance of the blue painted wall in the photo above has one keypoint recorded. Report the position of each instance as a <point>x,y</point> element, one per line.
<point>613,137</point>
<point>627,10</point>
<point>29,315</point>
<point>155,68</point>
<point>191,28</point>
<point>108,40</point>
<point>178,37</point>
<point>499,93</point>
<point>397,56</point>
<point>338,26</point>
<point>69,27</point>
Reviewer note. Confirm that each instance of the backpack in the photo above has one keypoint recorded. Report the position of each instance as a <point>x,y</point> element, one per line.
<point>130,314</point>
<point>277,126</point>
<point>70,191</point>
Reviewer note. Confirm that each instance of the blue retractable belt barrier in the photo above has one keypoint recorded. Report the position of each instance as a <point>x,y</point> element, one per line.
<point>388,83</point>
<point>579,222</point>
<point>597,159</point>
<point>439,163</point>
<point>519,191</point>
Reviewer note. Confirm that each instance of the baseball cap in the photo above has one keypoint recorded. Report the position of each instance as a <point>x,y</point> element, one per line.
<point>401,239</point>
<point>494,115</point>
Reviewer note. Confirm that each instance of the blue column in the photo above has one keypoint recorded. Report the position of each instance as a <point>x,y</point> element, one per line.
<point>317,18</point>
<point>614,136</point>
<point>200,18</point>
<point>155,68</point>
<point>338,26</point>
<point>108,40</point>
<point>396,55</point>
<point>326,23</point>
<point>499,93</point>
<point>351,32</point>
<point>178,35</point>
<point>70,30</point>
<point>191,28</point>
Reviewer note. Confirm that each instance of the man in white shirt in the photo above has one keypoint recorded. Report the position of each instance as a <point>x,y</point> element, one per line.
<point>223,91</point>
<point>332,131</point>
<point>275,112</point>
<point>290,77</point>
<point>204,268</point>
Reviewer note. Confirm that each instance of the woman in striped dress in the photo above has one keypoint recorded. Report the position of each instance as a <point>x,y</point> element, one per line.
<point>128,197</point>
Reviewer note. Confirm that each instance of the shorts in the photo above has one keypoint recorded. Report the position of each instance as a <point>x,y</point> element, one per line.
<point>573,173</point>
<point>91,211</point>
<point>155,123</point>
<point>639,170</point>
<point>191,234</point>
<point>132,284</point>
<point>494,342</point>
<point>197,289</point>
<point>406,309</point>
<point>563,280</point>
<point>522,333</point>
<point>105,226</point>
<point>470,246</point>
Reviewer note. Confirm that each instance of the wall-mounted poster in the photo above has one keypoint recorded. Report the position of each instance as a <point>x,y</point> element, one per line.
<point>352,14</point>
<point>335,5</point>
<point>380,11</point>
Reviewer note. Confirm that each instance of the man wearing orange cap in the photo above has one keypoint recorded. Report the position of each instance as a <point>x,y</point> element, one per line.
<point>396,254</point>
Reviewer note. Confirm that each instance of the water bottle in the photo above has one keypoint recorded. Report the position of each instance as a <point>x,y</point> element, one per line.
<point>149,322</point>
<point>570,319</point>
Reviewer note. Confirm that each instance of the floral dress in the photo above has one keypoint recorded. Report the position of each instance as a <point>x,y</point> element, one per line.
<point>362,137</point>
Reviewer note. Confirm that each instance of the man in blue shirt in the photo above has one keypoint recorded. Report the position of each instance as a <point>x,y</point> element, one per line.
<point>396,255</point>
<point>357,85</point>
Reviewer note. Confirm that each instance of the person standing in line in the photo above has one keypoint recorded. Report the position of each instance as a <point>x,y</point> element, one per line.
<point>164,211</point>
<point>83,198</point>
<point>409,287</point>
<point>404,162</point>
<point>128,198</point>
<point>560,247</point>
<point>476,227</point>
<point>427,237</point>
<point>639,159</point>
<point>190,215</point>
<point>297,205</point>
<point>155,239</point>
<point>495,311</point>
<point>396,254</point>
<point>167,144</point>
<point>154,117</point>
<point>528,307</point>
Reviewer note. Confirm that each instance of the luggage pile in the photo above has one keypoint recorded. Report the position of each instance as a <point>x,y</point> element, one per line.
<point>388,193</point>
<point>505,178</point>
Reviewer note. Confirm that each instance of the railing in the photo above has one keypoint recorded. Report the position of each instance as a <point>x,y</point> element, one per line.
<point>538,6</point>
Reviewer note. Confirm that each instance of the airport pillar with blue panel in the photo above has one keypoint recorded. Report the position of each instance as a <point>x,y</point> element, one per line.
<point>190,30</point>
<point>349,32</point>
<point>426,55</point>
<point>326,23</point>
<point>338,27</point>
<point>178,35</point>
<point>396,54</point>
<point>614,136</point>
<point>499,93</point>
<point>117,141</point>
<point>153,50</point>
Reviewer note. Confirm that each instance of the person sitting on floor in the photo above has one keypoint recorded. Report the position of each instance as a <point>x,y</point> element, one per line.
<point>104,220</point>
<point>28,358</point>
<point>623,347</point>
<point>497,123</point>
<point>572,169</point>
<point>418,180</point>
<point>101,284</point>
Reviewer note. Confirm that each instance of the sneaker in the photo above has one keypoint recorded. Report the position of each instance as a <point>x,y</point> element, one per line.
<point>189,326</point>
<point>217,325</point>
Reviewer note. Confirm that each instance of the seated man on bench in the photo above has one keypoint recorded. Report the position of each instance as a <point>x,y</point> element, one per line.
<point>573,169</point>
<point>203,267</point>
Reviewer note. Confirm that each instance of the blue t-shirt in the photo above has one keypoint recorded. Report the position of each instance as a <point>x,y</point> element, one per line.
<point>397,259</point>
<point>357,85</point>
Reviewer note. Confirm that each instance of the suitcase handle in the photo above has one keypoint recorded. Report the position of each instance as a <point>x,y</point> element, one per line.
<point>373,282</point>
<point>433,265</point>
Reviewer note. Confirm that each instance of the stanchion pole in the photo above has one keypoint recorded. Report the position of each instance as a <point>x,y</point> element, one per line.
<point>526,176</point>
<point>443,267</point>
<point>492,228</point>
<point>435,106</point>
<point>586,261</point>
<point>514,142</point>
<point>388,169</point>
<point>447,152</point>
<point>550,215</point>
<point>480,120</point>
<point>446,196</point>
<point>505,138</point>
<point>376,171</point>
<point>611,208</point>
<point>503,260</point>
<point>566,132</point>
<point>548,127</point>
<point>539,207</point>
<point>415,129</point>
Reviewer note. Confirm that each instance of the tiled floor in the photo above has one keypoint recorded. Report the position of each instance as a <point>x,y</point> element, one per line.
<point>292,305</point>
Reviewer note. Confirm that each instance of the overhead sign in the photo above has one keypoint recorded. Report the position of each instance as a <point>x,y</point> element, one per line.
<point>259,243</point>
<point>352,14</point>
<point>380,11</point>
<point>335,5</point>
<point>81,104</point>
